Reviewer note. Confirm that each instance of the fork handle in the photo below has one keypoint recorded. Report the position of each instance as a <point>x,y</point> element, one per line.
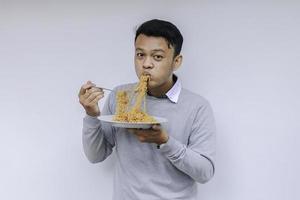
<point>105,89</point>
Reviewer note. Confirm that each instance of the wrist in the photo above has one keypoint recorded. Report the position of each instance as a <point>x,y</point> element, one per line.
<point>92,114</point>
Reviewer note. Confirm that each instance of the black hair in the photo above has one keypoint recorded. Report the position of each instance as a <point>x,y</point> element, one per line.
<point>161,28</point>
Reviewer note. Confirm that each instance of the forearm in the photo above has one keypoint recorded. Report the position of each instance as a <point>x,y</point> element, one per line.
<point>95,145</point>
<point>197,166</point>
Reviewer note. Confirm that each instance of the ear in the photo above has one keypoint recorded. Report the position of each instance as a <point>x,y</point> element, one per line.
<point>177,62</point>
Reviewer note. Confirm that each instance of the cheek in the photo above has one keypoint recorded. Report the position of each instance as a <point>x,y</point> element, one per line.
<point>138,68</point>
<point>162,72</point>
<point>158,78</point>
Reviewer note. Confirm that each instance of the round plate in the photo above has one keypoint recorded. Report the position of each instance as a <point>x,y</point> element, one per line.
<point>143,125</point>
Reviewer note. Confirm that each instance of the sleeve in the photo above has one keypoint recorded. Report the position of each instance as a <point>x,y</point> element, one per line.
<point>98,138</point>
<point>197,158</point>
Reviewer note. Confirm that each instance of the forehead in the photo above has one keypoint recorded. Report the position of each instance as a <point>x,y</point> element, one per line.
<point>149,43</point>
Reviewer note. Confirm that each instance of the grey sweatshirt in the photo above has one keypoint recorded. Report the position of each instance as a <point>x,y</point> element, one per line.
<point>142,171</point>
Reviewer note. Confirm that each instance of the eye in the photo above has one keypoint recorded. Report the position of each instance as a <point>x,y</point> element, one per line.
<point>158,57</point>
<point>139,55</point>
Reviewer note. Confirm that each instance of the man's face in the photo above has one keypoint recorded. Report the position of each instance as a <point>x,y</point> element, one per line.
<point>155,58</point>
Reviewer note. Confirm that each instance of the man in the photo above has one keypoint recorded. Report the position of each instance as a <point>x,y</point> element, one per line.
<point>164,162</point>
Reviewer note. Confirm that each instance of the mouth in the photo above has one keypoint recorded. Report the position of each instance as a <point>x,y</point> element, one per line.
<point>148,75</point>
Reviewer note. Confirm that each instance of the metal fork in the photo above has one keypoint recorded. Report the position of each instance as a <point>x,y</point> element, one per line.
<point>105,89</point>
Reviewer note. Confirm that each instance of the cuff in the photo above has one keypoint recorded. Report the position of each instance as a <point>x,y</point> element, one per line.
<point>91,121</point>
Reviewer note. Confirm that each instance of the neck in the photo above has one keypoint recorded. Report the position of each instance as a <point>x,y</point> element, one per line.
<point>163,89</point>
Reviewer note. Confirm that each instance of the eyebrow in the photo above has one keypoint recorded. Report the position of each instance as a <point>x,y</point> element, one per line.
<point>140,49</point>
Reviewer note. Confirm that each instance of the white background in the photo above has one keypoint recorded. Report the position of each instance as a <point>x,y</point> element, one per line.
<point>243,57</point>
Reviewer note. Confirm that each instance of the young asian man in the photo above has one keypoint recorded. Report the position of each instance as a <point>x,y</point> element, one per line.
<point>166,161</point>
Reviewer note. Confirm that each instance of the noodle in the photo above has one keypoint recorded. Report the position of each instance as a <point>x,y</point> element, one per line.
<point>136,113</point>
<point>122,104</point>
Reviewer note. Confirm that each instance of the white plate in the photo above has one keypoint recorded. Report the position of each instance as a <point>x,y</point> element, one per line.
<point>143,125</point>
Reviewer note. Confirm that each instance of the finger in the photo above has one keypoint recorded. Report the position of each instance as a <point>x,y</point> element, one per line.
<point>93,89</point>
<point>137,132</point>
<point>96,100</point>
<point>86,86</point>
<point>141,138</point>
<point>152,133</point>
<point>82,90</point>
<point>98,89</point>
<point>92,97</point>
<point>90,92</point>
<point>93,92</point>
<point>156,127</point>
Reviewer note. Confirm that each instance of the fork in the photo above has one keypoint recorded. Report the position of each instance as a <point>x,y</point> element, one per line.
<point>105,89</point>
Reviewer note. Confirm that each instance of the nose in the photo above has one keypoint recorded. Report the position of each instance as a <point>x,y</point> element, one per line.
<point>147,64</point>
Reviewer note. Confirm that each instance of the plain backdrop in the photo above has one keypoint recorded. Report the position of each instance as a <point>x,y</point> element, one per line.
<point>243,56</point>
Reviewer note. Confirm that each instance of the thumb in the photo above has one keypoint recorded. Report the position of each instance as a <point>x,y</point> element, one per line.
<point>90,83</point>
<point>156,127</point>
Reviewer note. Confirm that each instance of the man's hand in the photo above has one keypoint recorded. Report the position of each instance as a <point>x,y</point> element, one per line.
<point>89,96</point>
<point>154,135</point>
